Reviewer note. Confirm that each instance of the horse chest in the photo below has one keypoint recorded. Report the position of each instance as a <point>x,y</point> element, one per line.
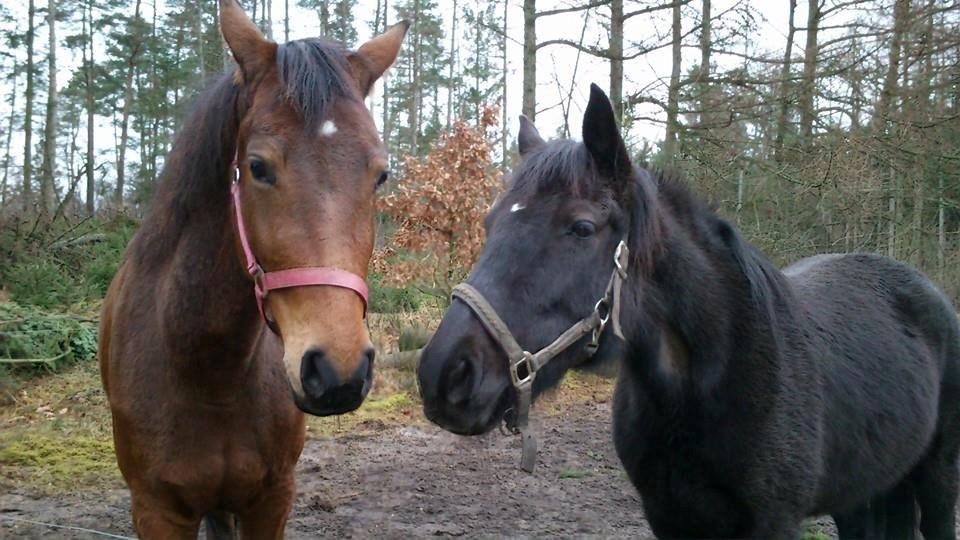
<point>223,464</point>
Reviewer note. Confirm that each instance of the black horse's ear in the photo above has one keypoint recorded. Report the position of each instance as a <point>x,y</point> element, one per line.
<point>529,138</point>
<point>602,136</point>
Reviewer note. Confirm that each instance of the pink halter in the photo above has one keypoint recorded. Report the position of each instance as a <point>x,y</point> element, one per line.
<point>264,282</point>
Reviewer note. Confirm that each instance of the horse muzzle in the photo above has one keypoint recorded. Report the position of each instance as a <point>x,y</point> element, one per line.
<point>463,390</point>
<point>325,393</point>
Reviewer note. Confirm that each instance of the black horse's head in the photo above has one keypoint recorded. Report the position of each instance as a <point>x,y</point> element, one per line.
<point>548,257</point>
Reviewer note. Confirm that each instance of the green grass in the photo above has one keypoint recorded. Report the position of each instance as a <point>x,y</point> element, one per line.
<point>575,473</point>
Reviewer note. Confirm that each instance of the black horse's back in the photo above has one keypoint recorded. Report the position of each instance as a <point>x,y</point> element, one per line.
<point>892,410</point>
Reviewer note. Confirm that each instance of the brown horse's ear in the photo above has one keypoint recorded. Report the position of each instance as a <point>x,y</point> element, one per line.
<point>253,52</point>
<point>602,137</point>
<point>374,57</point>
<point>528,139</point>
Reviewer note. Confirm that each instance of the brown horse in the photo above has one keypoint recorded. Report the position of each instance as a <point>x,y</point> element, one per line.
<point>204,396</point>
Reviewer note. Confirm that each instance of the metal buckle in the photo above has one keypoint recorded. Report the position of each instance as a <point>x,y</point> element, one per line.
<point>526,376</point>
<point>616,258</point>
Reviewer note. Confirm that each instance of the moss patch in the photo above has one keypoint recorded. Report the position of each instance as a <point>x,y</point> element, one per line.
<point>380,411</point>
<point>48,458</point>
<point>387,403</point>
<point>575,473</point>
<point>814,532</point>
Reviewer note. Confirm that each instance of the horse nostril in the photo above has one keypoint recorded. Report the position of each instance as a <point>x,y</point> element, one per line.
<point>367,361</point>
<point>460,379</point>
<point>316,373</point>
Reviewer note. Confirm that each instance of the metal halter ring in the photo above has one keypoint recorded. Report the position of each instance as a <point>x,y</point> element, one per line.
<point>259,281</point>
<point>524,361</point>
<point>603,309</point>
<point>616,258</point>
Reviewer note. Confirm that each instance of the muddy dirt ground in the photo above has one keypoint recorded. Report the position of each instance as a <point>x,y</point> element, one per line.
<point>399,481</point>
<point>403,481</point>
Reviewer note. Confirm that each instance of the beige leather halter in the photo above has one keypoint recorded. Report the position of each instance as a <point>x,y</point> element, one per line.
<point>524,365</point>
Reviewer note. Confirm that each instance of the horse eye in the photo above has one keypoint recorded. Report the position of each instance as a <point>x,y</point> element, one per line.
<point>260,171</point>
<point>382,179</point>
<point>583,228</point>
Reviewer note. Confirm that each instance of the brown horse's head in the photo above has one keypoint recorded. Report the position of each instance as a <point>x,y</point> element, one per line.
<point>310,159</point>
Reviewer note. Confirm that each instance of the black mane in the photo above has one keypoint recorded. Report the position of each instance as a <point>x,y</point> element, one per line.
<point>313,73</point>
<point>558,167</point>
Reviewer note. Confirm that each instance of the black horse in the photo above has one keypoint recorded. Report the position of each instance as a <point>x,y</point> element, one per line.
<point>748,398</point>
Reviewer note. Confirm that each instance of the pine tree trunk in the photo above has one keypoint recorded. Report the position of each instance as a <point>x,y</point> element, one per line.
<point>198,37</point>
<point>225,54</point>
<point>269,21</point>
<point>125,114</point>
<point>882,112</point>
<point>386,82</point>
<point>616,58</point>
<point>153,147</point>
<point>891,213</point>
<point>28,115</point>
<point>453,64</point>
<point>530,59</point>
<point>6,154</point>
<point>415,98</point>
<point>924,112</point>
<point>673,96</point>
<point>703,75</point>
<point>324,17</point>
<point>476,74</point>
<point>50,122</point>
<point>90,105</point>
<point>856,100</point>
<point>941,228</point>
<point>69,201</point>
<point>785,86</point>
<point>808,83</point>
<point>503,90</point>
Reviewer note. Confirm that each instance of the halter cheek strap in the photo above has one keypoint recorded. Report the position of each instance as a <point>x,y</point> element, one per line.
<point>264,282</point>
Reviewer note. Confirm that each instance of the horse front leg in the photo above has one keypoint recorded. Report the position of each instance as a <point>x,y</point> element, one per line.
<point>774,526</point>
<point>268,517</point>
<point>156,519</point>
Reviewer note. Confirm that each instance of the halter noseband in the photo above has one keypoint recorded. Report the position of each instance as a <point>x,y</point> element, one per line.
<point>264,282</point>
<point>524,365</point>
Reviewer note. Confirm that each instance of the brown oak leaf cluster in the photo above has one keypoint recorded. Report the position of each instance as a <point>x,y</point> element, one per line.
<point>439,205</point>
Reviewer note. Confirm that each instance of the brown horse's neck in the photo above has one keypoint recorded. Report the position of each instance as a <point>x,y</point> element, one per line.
<point>188,247</point>
<point>213,302</point>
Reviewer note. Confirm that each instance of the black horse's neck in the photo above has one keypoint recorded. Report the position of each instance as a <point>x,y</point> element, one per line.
<point>704,311</point>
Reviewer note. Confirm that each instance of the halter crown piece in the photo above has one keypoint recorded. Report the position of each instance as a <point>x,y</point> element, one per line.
<point>264,282</point>
<point>524,365</point>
